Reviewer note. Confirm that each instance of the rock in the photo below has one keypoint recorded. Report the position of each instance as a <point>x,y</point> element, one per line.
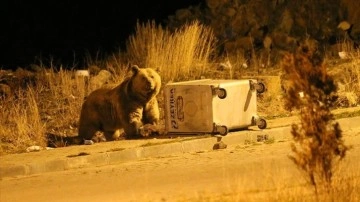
<point>219,145</point>
<point>267,42</point>
<point>88,142</point>
<point>230,12</point>
<point>262,138</point>
<point>82,73</point>
<point>34,148</point>
<point>182,14</point>
<point>344,25</point>
<point>215,3</point>
<point>235,22</point>
<point>343,54</point>
<point>93,69</point>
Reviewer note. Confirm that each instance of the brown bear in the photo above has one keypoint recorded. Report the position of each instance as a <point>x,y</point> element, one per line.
<point>122,110</point>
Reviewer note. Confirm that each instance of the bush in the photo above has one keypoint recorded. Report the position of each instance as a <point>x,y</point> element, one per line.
<point>318,139</point>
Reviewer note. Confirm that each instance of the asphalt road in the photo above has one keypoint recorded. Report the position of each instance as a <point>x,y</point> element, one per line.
<point>252,172</point>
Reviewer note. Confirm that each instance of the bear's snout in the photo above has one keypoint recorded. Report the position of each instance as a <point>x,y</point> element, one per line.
<point>150,86</point>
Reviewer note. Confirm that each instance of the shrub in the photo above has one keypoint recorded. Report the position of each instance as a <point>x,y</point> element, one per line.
<point>318,139</point>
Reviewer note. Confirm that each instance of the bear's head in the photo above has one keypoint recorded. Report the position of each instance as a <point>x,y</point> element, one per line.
<point>145,83</point>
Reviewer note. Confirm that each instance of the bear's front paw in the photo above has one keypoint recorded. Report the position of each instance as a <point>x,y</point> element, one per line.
<point>148,130</point>
<point>98,137</point>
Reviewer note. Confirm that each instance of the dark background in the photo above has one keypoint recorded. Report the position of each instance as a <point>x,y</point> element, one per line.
<point>66,31</point>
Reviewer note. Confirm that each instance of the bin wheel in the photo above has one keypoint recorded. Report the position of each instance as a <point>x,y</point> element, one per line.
<point>262,123</point>
<point>260,88</point>
<point>223,130</point>
<point>221,93</point>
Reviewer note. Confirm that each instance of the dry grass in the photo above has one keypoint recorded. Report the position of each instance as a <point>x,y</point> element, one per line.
<point>345,190</point>
<point>273,180</point>
<point>62,99</point>
<point>347,73</point>
<point>52,103</point>
<point>20,122</point>
<point>270,103</point>
<point>349,79</point>
<point>179,55</point>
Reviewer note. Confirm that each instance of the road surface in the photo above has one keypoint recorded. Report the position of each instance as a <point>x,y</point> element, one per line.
<point>251,172</point>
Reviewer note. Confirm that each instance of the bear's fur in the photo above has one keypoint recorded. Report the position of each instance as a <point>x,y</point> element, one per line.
<point>122,110</point>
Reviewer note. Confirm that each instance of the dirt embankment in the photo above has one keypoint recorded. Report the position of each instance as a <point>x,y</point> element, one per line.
<point>276,25</point>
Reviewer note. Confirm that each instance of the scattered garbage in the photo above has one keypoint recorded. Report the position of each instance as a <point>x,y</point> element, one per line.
<point>34,148</point>
<point>88,142</point>
<point>219,144</point>
<point>262,138</point>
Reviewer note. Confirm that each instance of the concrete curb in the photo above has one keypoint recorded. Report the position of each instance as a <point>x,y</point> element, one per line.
<point>162,149</point>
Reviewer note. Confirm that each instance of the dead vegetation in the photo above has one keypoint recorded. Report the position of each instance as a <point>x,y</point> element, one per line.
<point>47,100</point>
<point>318,143</point>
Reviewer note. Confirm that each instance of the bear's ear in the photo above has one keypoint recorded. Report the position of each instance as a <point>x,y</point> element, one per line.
<point>135,69</point>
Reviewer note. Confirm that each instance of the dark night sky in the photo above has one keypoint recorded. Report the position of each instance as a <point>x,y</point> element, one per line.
<point>64,28</point>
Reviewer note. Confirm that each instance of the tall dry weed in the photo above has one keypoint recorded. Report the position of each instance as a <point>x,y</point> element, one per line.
<point>20,122</point>
<point>178,55</point>
<point>347,73</point>
<point>350,78</point>
<point>318,142</point>
<point>62,99</point>
<point>50,105</point>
